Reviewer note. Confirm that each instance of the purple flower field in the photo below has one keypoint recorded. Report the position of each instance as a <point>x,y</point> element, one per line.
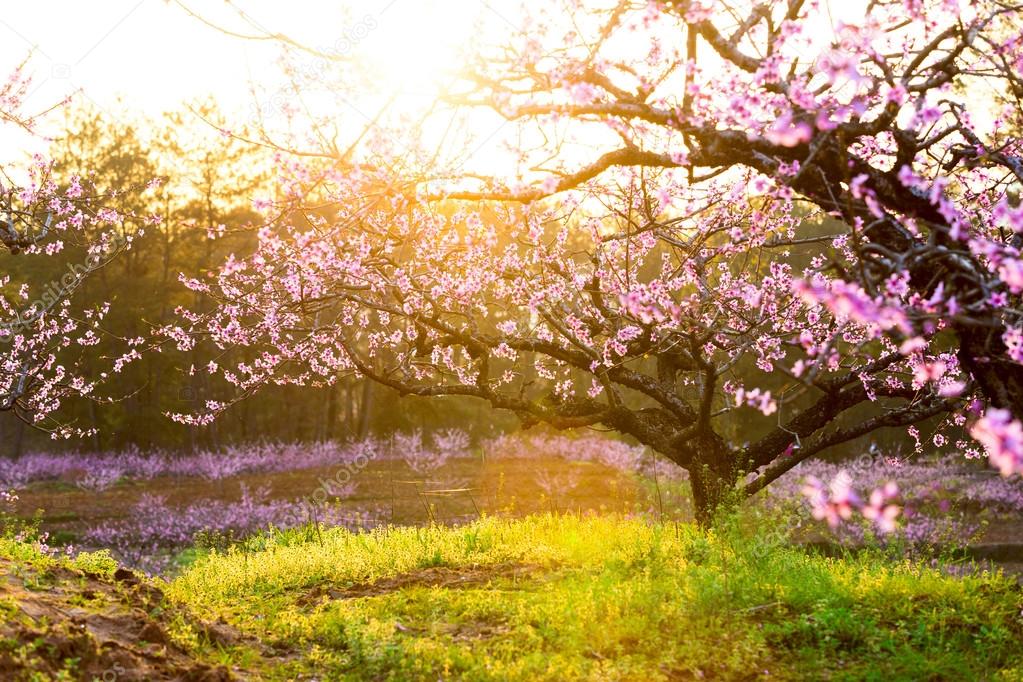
<point>943,500</point>
<point>154,529</point>
<point>101,470</point>
<point>935,502</point>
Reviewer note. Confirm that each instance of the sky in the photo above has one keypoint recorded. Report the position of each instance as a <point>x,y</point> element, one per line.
<point>151,55</point>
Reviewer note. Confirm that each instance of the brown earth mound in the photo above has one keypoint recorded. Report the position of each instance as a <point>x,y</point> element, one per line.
<point>57,621</point>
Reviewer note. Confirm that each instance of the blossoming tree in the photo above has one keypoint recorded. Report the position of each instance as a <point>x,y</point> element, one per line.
<point>715,211</point>
<point>54,235</point>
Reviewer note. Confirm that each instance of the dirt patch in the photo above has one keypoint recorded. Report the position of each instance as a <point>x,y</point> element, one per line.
<point>435,576</point>
<point>467,632</point>
<point>58,621</point>
<point>1005,531</point>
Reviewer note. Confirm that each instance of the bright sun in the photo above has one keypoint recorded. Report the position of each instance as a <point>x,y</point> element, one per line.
<point>413,47</point>
<point>412,53</point>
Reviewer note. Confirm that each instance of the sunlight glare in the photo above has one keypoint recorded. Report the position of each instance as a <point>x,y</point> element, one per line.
<point>415,49</point>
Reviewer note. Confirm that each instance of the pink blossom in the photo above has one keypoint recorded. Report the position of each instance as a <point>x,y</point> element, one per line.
<point>1002,438</point>
<point>833,503</point>
<point>787,133</point>
<point>1011,272</point>
<point>880,511</point>
<point>837,502</point>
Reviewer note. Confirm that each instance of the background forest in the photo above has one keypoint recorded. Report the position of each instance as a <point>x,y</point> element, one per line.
<point>204,202</point>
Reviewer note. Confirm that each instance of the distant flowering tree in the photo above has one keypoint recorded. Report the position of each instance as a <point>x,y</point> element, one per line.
<point>786,220</point>
<point>62,231</point>
<point>425,459</point>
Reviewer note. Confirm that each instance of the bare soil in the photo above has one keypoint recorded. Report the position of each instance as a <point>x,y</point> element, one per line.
<point>94,627</point>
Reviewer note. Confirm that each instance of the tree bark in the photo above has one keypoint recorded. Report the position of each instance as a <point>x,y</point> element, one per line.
<point>330,427</point>
<point>366,408</point>
<point>712,478</point>
<point>984,355</point>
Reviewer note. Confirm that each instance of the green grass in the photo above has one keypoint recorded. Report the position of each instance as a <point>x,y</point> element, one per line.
<point>603,598</point>
<point>27,554</point>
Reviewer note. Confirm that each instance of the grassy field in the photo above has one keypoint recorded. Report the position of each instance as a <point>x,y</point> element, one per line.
<point>556,597</point>
<point>564,597</point>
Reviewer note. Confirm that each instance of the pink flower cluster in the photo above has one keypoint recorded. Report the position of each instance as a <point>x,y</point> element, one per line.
<point>837,502</point>
<point>1002,438</point>
<point>46,337</point>
<point>944,499</point>
<point>757,398</point>
<point>849,302</point>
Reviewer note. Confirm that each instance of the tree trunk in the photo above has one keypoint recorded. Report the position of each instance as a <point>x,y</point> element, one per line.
<point>712,478</point>
<point>366,409</point>
<point>983,353</point>
<point>94,423</point>
<point>19,438</point>
<point>349,407</point>
<point>710,492</point>
<point>330,417</point>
